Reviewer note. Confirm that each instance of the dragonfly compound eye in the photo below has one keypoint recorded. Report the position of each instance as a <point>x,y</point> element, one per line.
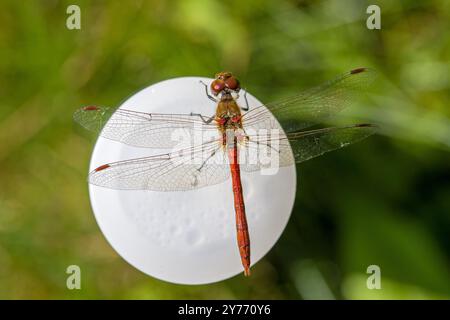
<point>232,83</point>
<point>217,86</point>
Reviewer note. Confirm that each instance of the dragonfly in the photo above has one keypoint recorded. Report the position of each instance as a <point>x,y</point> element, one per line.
<point>285,128</point>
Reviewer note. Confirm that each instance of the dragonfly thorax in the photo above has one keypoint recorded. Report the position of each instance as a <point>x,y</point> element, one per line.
<point>228,114</point>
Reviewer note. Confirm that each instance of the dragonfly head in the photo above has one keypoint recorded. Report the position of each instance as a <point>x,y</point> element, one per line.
<point>225,82</point>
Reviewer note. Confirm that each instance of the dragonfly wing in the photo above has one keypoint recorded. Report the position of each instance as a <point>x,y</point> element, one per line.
<point>304,145</point>
<point>141,129</point>
<point>310,144</point>
<point>316,104</point>
<point>185,169</point>
<point>265,150</point>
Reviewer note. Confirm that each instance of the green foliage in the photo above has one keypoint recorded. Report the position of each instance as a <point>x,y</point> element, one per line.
<point>384,201</point>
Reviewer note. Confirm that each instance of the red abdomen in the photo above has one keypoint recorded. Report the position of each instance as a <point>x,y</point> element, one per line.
<point>243,237</point>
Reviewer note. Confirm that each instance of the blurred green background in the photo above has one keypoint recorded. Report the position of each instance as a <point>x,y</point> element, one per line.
<point>385,201</point>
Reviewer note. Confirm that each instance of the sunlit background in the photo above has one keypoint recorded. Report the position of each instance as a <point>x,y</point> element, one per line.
<point>385,201</point>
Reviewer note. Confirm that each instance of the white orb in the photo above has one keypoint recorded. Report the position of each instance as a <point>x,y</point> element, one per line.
<point>187,237</point>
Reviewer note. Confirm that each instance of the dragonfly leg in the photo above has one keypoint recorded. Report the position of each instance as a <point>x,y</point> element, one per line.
<point>207,159</point>
<point>210,97</point>
<point>247,107</point>
<point>243,136</point>
<point>206,121</point>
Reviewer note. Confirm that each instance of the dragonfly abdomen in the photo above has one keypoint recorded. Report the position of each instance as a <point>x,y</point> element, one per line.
<point>243,237</point>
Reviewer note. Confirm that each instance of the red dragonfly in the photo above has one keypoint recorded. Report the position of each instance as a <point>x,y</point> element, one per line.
<point>236,135</point>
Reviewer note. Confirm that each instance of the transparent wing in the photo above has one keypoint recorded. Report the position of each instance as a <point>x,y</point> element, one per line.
<point>186,169</point>
<point>276,151</point>
<point>140,129</point>
<point>314,105</point>
<point>208,164</point>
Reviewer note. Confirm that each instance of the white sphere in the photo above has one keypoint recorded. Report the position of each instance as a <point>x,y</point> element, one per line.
<point>187,237</point>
